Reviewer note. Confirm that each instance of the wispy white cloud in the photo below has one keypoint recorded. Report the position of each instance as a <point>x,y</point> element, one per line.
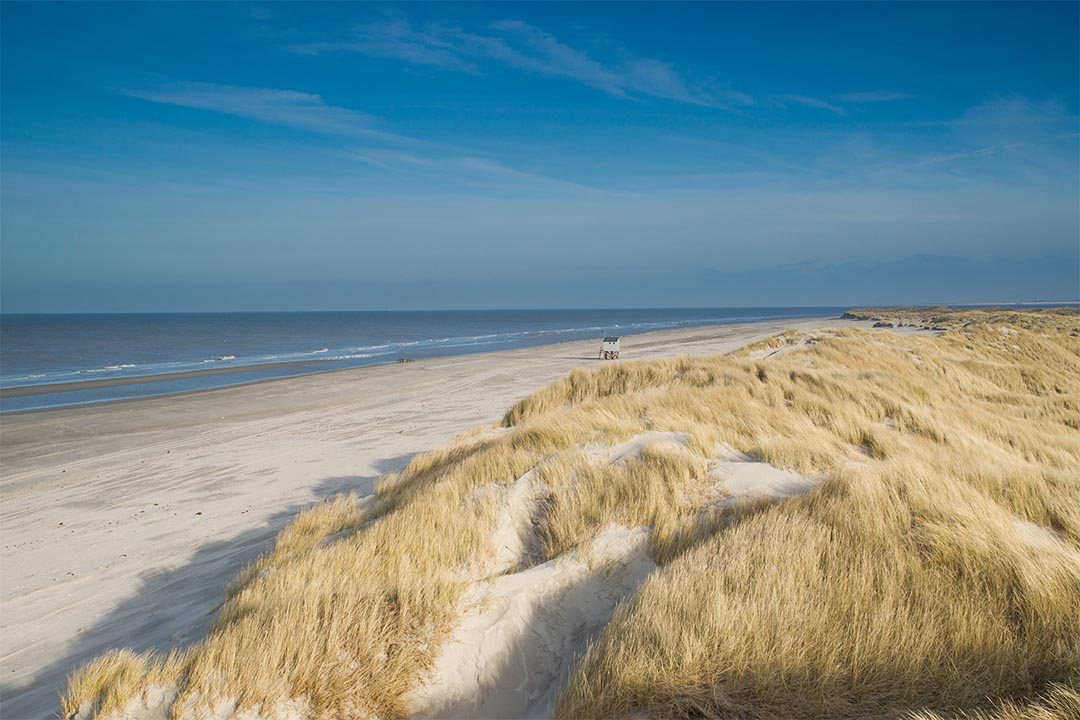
<point>811,102</point>
<point>397,40</point>
<point>1015,113</point>
<point>1003,138</point>
<point>309,112</point>
<point>835,104</point>
<point>1010,114</point>
<point>469,166</point>
<point>390,159</point>
<point>983,152</point>
<point>528,48</point>
<point>652,77</point>
<point>288,108</point>
<point>1007,138</point>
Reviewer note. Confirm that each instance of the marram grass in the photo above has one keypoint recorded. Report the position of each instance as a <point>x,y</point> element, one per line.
<point>934,574</point>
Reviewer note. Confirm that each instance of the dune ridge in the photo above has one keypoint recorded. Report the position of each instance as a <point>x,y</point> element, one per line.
<point>910,546</point>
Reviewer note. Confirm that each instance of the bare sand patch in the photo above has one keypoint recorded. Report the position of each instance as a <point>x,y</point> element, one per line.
<point>523,632</point>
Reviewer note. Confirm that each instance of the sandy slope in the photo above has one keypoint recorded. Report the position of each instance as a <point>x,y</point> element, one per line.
<point>523,631</point>
<point>120,524</point>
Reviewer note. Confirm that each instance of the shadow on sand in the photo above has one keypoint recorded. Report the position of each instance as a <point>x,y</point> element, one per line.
<point>171,608</point>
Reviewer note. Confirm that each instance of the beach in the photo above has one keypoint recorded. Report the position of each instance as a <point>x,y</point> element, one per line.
<point>123,522</point>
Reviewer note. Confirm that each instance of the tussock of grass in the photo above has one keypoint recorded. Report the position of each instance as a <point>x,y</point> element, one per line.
<point>1060,702</point>
<point>654,490</point>
<point>935,570</point>
<point>309,528</point>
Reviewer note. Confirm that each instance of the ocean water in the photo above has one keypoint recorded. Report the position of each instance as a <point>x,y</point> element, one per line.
<point>43,357</point>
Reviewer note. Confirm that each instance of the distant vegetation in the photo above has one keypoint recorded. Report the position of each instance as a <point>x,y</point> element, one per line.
<point>933,573</point>
<point>942,317</point>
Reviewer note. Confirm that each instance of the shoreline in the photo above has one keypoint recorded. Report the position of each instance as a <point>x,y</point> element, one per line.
<point>75,386</point>
<point>314,366</point>
<point>87,390</point>
<point>166,497</point>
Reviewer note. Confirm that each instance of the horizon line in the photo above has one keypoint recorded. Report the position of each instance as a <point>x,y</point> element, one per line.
<point>982,304</point>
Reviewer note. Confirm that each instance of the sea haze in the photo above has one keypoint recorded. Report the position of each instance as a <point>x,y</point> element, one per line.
<point>139,355</point>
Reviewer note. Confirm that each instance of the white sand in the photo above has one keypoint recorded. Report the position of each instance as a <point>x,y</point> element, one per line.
<point>120,524</point>
<point>746,479</point>
<point>523,632</point>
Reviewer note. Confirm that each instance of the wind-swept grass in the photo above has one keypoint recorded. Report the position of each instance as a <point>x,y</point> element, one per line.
<point>935,570</point>
<point>1058,703</point>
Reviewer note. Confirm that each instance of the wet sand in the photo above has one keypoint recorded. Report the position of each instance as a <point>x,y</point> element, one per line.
<point>29,390</point>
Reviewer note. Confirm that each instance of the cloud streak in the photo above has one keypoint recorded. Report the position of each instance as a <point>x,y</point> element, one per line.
<point>306,111</point>
<point>473,167</point>
<point>1026,138</point>
<point>288,108</point>
<point>810,102</point>
<point>527,48</point>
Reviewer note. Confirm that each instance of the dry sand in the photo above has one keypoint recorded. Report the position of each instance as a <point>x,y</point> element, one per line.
<point>525,625</point>
<point>119,524</point>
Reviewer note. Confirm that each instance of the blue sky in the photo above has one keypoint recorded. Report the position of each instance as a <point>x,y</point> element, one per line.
<point>319,156</point>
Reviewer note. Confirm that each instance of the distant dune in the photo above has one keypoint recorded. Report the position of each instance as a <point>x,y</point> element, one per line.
<point>842,523</point>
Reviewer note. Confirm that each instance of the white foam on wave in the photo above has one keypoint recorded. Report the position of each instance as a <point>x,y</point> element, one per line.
<point>106,368</point>
<point>362,348</point>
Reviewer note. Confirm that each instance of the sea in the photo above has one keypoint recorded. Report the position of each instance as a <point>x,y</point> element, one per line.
<point>63,360</point>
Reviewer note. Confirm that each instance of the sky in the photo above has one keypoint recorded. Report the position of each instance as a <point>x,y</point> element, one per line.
<point>230,157</point>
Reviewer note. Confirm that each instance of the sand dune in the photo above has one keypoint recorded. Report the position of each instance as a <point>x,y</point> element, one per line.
<point>522,632</point>
<point>122,523</point>
<point>843,523</point>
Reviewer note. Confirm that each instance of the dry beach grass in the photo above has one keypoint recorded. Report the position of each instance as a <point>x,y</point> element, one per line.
<point>933,571</point>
